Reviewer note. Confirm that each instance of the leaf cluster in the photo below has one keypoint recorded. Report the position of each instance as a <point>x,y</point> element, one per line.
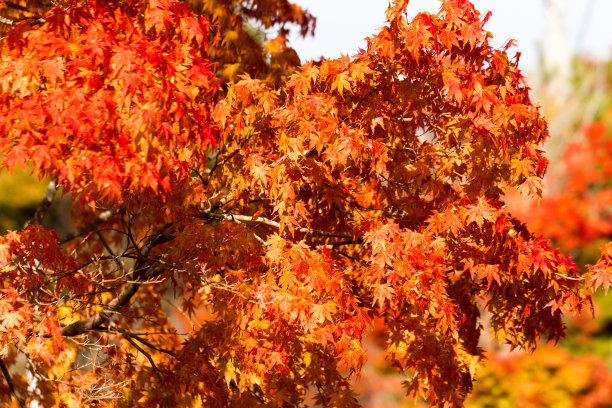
<point>278,212</point>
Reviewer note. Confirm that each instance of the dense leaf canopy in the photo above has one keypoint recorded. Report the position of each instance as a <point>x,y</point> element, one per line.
<point>239,223</point>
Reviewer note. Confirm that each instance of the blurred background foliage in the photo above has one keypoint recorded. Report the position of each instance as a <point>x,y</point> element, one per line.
<point>550,377</point>
<point>20,194</point>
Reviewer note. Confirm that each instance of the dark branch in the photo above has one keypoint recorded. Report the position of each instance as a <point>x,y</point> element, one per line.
<point>135,336</point>
<point>157,371</point>
<point>103,315</point>
<point>9,381</point>
<point>45,203</point>
<point>81,266</point>
<point>15,6</point>
<point>136,277</point>
<point>110,251</point>
<point>362,100</point>
<point>103,217</point>
<point>228,158</point>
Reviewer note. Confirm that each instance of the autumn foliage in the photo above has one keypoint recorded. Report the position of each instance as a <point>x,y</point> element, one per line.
<point>551,377</point>
<point>278,210</point>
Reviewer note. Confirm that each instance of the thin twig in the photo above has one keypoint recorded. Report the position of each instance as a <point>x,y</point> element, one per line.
<point>110,251</point>
<point>227,158</point>
<point>331,246</point>
<point>135,278</point>
<point>157,371</point>
<point>577,278</point>
<point>11,4</point>
<point>347,256</point>
<point>78,268</point>
<point>362,100</point>
<point>135,336</point>
<point>103,217</point>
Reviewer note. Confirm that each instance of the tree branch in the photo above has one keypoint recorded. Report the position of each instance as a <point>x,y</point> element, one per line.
<point>103,315</point>
<point>362,100</point>
<point>110,251</point>
<point>103,217</point>
<point>306,153</point>
<point>136,277</point>
<point>7,21</point>
<point>45,203</point>
<point>207,215</point>
<point>11,4</point>
<point>157,371</point>
<point>135,336</point>
<point>9,381</point>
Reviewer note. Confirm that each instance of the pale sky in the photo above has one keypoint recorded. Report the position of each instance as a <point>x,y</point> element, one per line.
<point>342,25</point>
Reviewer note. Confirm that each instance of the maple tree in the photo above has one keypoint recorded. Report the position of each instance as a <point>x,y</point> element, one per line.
<point>279,209</point>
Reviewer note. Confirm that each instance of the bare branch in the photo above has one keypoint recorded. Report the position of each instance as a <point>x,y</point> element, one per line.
<point>135,278</point>
<point>295,156</point>
<point>15,6</point>
<point>103,315</point>
<point>7,21</point>
<point>110,251</point>
<point>9,381</point>
<point>83,265</point>
<point>45,203</point>
<point>157,371</point>
<point>366,96</point>
<point>103,217</point>
<point>271,223</point>
<point>136,336</point>
<point>334,245</point>
<point>221,203</point>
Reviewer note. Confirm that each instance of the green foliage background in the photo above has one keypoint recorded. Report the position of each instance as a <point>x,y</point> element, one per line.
<point>20,194</point>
